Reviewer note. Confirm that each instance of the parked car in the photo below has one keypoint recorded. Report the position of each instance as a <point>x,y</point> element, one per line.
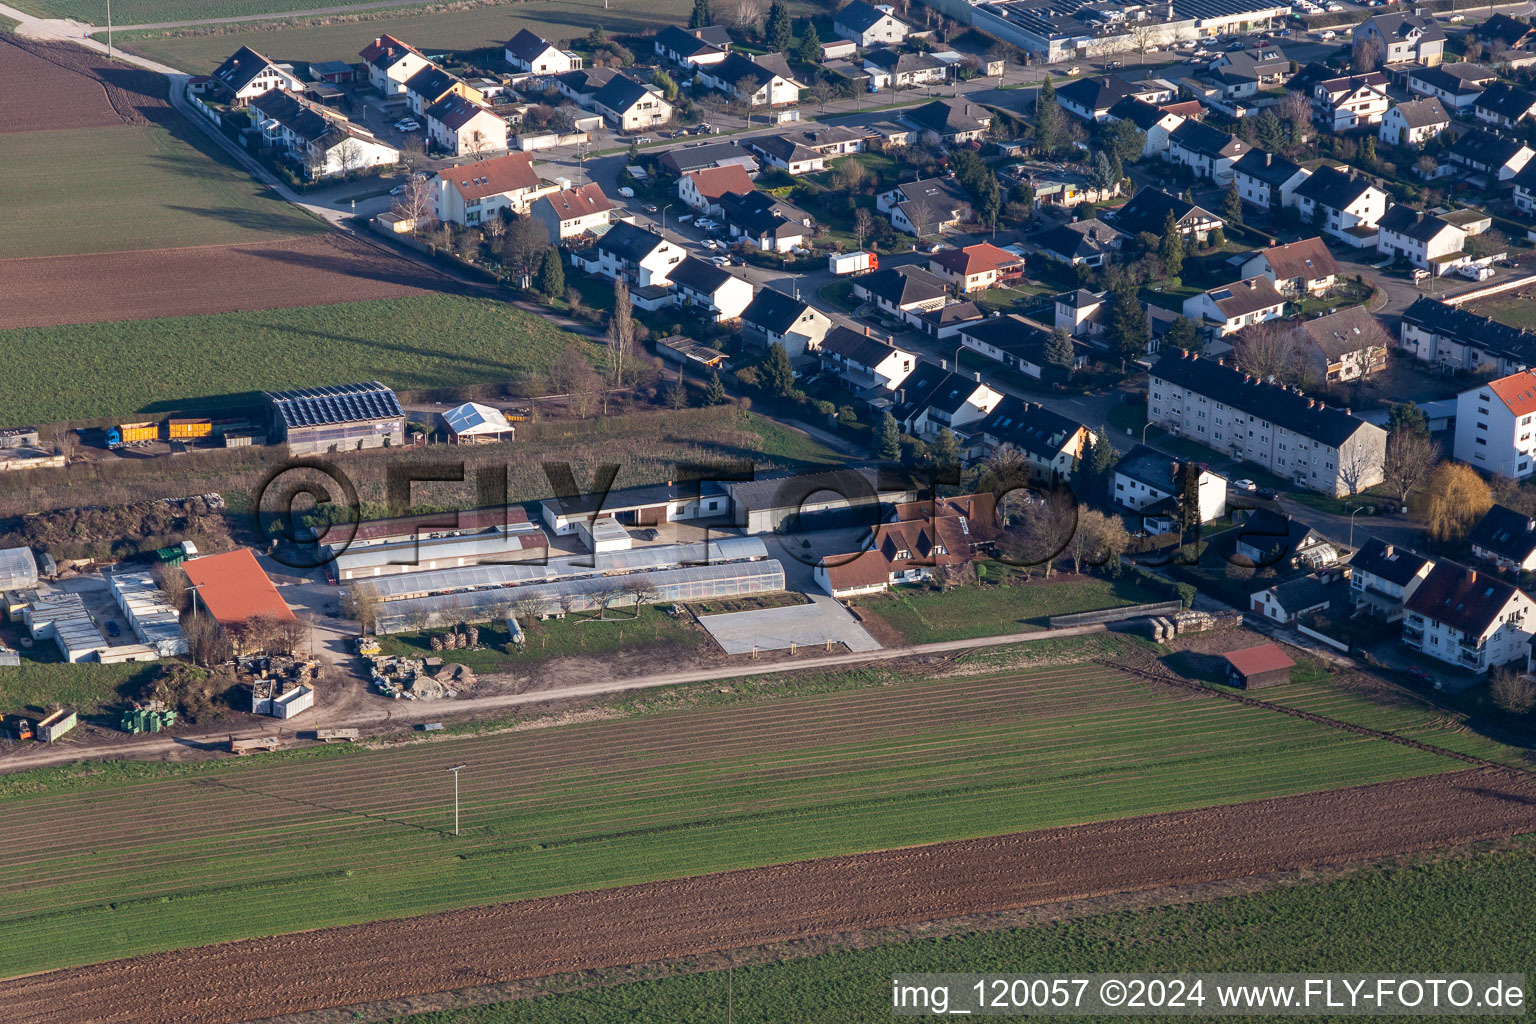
<point>1419,673</point>
<point>112,628</point>
<point>1267,493</point>
<point>650,207</point>
<point>720,261</point>
<point>398,190</point>
<point>702,127</point>
<point>1329,34</point>
<point>1112,65</point>
<point>1073,70</point>
<point>710,243</point>
<point>685,218</point>
<point>642,140</point>
<point>681,133</point>
<point>1242,485</point>
<point>1457,17</point>
<point>627,192</point>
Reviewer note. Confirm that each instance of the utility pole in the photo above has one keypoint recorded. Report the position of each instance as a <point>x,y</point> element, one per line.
<point>109,29</point>
<point>456,769</point>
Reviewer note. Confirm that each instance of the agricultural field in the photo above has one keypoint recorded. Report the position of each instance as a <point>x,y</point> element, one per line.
<point>1464,912</point>
<point>922,616</point>
<point>145,12</point>
<point>582,635</point>
<point>610,803</point>
<point>118,368</point>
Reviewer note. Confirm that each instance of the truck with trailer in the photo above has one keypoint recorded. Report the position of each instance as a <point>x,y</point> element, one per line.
<point>188,430</point>
<point>844,263</point>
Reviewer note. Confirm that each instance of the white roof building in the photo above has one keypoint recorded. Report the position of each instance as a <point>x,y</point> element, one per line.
<point>18,569</point>
<point>473,420</point>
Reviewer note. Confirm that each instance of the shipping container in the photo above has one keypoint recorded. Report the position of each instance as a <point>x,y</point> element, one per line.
<point>189,430</point>
<point>138,433</point>
<point>56,725</point>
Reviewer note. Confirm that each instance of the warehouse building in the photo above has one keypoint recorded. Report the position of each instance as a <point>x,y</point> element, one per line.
<point>338,418</point>
<point>451,523</point>
<point>61,617</point>
<point>152,619</point>
<point>233,589</point>
<point>520,542</point>
<point>18,569</point>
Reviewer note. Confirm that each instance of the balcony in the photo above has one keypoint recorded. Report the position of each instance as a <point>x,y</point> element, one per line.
<point>1413,636</point>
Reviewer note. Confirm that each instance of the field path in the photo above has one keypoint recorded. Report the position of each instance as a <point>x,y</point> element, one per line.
<point>293,973</point>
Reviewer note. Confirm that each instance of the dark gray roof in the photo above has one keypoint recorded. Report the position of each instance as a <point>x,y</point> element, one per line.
<point>759,214</point>
<point>1028,427</point>
<point>1469,328</point>
<point>1405,220</point>
<point>339,403</point>
<point>1502,28</point>
<point>1456,79</point>
<point>1139,112</point>
<point>696,158</point>
<point>682,42</point>
<point>1423,112</point>
<point>240,67</point>
<point>929,387</point>
<point>454,111</point>
<point>903,63</point>
<point>1199,137</point>
<point>1484,147</point>
<point>1148,209</point>
<point>586,81</point>
<point>783,148</point>
<point>1290,409</point>
<point>1506,533</point>
<point>859,16</point>
<point>737,66</point>
<point>1460,597</point>
<point>694,273</point>
<point>901,285</point>
<point>1274,535</point>
<point>1403,26</point>
<point>1333,188</point>
<point>933,201</point>
<point>1077,238</point>
<point>431,82</point>
<point>1391,563</point>
<point>293,115</point>
<point>1151,467</point>
<point>527,45</point>
<point>790,489</point>
<point>1271,169</point>
<point>1506,101</point>
<point>621,93</point>
<point>1348,330</point>
<point>714,35</point>
<point>629,241</point>
<point>1096,93</point>
<point>850,345</point>
<point>1011,334</point>
<point>949,116</point>
<point>1301,594</point>
<point>773,311</point>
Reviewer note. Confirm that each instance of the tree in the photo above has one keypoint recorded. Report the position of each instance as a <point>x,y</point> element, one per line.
<point>1368,152</point>
<point>778,373</point>
<point>1455,498</point>
<point>1366,56</point>
<point>1129,326</point>
<point>809,49</point>
<point>361,602</point>
<point>1041,531</point>
<point>552,275</point>
<point>1122,138</point>
<point>172,582</point>
<point>621,333</point>
<point>819,91</point>
<point>1270,349</point>
<point>1172,247</point>
<point>206,642</point>
<point>778,33</point>
<point>701,17</point>
<point>1049,120</point>
<point>416,204</point>
<point>1184,334</point>
<point>1058,350</point>
<point>1105,172</point>
<point>523,248</point>
<point>863,224</point>
<point>666,83</point>
<point>945,449</point>
<point>888,438</point>
<point>1409,461</point>
<point>1407,417</point>
<point>1098,540</point>
<point>714,393</point>
<point>1513,691</point>
<point>1232,205</point>
<point>1189,500</point>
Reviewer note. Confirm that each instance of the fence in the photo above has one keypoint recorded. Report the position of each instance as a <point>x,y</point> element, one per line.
<point>1337,645</point>
<point>1130,611</point>
<point>1497,288</point>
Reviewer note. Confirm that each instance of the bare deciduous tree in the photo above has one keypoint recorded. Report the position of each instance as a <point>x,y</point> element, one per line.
<point>621,333</point>
<point>1360,466</point>
<point>1041,531</point>
<point>1271,349</point>
<point>1513,691</point>
<point>361,603</point>
<point>1409,462</point>
<point>206,642</point>
<point>418,205</point>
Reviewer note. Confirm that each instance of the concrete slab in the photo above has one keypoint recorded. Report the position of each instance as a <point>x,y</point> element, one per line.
<point>801,625</point>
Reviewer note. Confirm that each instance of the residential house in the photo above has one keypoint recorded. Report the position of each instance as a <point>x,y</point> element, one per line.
<point>1231,307</point>
<point>927,207</point>
<point>642,258</point>
<point>1456,85</point>
<point>1525,189</point>
<point>1483,152</point>
<point>897,69</point>
<point>1148,211</point>
<point>1060,185</point>
<point>1342,205</point>
<point>864,364</point>
<point>1266,180</point>
<point>1383,576</point>
<point>1494,425</point>
<point>574,212</point>
<point>778,319</point>
<point>1315,445</point>
<point>1347,345</point>
<point>943,534</point>
<point>1502,35</point>
<point>1155,123</point>
<point>1208,152</point>
<point>787,154</point>
<point>580,85</point>
<point>1092,98</point>
<point>1403,37</point>
<point>1351,101</point>
<point>711,290</point>
<point>1297,269</point>
<point>474,192</point>
<point>1453,339</point>
<point>1081,312</point>
<point>838,50</point>
<point>933,399</point>
<point>1504,106</point>
<point>1294,600</point>
<point>1151,483</point>
<point>703,190</point>
<point>432,84</point>
<point>391,63</point>
<point>461,127</point>
<point>1414,122</point>
<point>1274,539</point>
<point>829,140</point>
<point>246,74</point>
<point>530,52</point>
<point>323,143</point>
<point>756,81</point>
<point>1241,74</point>
<point>954,121</point>
<point>631,106</point>
<point>1081,242</point>
<point>1050,442</point>
<point>901,292</point>
<point>1426,241</point>
<point>1505,538</point>
<point>866,25</point>
<point>950,319</point>
<point>1012,340</point>
<point>1469,619</point>
<point>686,48</point>
<point>768,223</point>
<point>976,267</point>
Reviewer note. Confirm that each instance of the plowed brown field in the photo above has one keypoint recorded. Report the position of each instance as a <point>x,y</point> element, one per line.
<point>46,86</point>
<point>310,970</point>
<point>315,271</point>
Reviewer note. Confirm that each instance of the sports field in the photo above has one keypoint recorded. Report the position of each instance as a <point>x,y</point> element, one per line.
<point>195,362</point>
<point>242,849</point>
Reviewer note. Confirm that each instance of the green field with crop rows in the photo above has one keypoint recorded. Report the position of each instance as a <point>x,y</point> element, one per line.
<point>95,871</point>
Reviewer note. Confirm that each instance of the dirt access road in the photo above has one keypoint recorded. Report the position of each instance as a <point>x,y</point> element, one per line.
<point>261,978</point>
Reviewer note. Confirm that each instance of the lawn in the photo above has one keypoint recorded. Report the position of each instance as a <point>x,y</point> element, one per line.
<point>579,634</point>
<point>163,863</point>
<point>1515,309</point>
<point>922,615</point>
<point>132,187</point>
<point>195,363</point>
<point>1462,914</point>
<point>36,686</point>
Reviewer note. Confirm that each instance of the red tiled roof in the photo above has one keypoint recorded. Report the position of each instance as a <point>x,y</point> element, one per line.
<point>582,201</point>
<point>866,570</point>
<point>974,259</point>
<point>714,182</point>
<point>233,588</point>
<point>1254,660</point>
<point>1187,108</point>
<point>384,45</point>
<point>1518,391</point>
<point>510,173</point>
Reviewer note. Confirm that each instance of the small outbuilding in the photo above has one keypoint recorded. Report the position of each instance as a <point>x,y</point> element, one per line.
<point>472,422</point>
<point>1253,667</point>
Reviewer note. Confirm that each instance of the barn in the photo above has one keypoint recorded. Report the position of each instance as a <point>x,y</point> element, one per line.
<point>339,418</point>
<point>1253,667</point>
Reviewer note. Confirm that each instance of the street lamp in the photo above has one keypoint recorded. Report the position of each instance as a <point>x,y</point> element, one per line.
<point>1352,528</point>
<point>664,210</point>
<point>456,769</point>
<point>1144,431</point>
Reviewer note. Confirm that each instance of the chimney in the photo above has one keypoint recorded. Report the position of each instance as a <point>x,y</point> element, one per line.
<point>1221,360</point>
<point>1268,157</point>
<point>866,330</point>
<point>978,376</point>
<point>1346,410</point>
<point>1322,405</point>
<point>944,364</point>
<point>1471,575</point>
<point>1311,403</point>
<point>1387,550</point>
